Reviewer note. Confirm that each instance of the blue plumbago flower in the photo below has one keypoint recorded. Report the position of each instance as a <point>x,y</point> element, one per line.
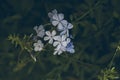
<point>65,29</point>
<point>60,44</point>
<point>50,36</point>
<point>70,47</point>
<point>61,41</point>
<point>38,46</point>
<point>40,31</point>
<point>57,19</point>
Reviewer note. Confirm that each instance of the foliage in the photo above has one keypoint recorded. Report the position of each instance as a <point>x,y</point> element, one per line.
<point>96,34</point>
<point>108,74</point>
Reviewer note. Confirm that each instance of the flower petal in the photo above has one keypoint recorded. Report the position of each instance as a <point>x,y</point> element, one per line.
<point>54,11</point>
<point>64,43</point>
<point>63,32</point>
<point>53,33</point>
<point>71,50</point>
<point>40,27</point>
<point>35,28</point>
<point>46,38</point>
<point>54,23</point>
<point>60,52</point>
<point>50,15</point>
<point>39,41</point>
<point>68,40</point>
<point>63,37</point>
<point>58,47</point>
<point>60,27</point>
<point>50,41</point>
<point>48,33</point>
<point>64,22</point>
<point>55,52</point>
<point>41,34</point>
<point>70,26</point>
<point>55,17</point>
<point>36,49</point>
<point>35,44</point>
<point>61,16</point>
<point>56,37</point>
<point>55,43</point>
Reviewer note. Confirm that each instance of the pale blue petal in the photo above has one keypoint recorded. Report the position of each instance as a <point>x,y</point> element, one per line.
<point>53,33</point>
<point>68,40</point>
<point>60,27</point>
<point>63,37</point>
<point>35,28</point>
<point>41,34</point>
<point>50,41</point>
<point>48,33</point>
<point>58,47</point>
<point>54,11</point>
<point>56,37</point>
<point>50,15</point>
<point>71,51</point>
<point>55,17</point>
<point>55,43</point>
<point>55,52</point>
<point>40,27</point>
<point>64,44</point>
<point>70,26</point>
<point>39,42</point>
<point>55,22</point>
<point>36,49</point>
<point>63,32</point>
<point>61,16</point>
<point>64,22</point>
<point>46,38</point>
<point>60,52</point>
<point>35,44</point>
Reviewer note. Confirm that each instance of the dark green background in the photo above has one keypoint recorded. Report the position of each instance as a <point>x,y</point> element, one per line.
<point>95,38</point>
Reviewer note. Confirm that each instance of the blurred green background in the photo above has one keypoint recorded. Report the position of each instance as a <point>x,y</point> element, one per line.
<point>96,36</point>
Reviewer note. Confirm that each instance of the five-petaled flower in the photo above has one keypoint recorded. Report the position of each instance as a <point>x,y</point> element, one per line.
<point>38,46</point>
<point>60,43</point>
<point>40,31</point>
<point>65,29</point>
<point>57,19</point>
<point>50,36</point>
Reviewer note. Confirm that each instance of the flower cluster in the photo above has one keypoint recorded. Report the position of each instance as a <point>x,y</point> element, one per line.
<point>59,38</point>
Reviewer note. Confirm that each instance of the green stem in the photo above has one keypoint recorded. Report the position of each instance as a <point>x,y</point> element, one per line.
<point>85,14</point>
<point>111,62</point>
<point>47,24</point>
<point>81,62</point>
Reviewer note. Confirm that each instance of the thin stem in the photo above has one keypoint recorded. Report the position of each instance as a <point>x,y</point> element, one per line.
<point>85,14</point>
<point>112,60</point>
<point>82,63</point>
<point>47,24</point>
<point>19,56</point>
